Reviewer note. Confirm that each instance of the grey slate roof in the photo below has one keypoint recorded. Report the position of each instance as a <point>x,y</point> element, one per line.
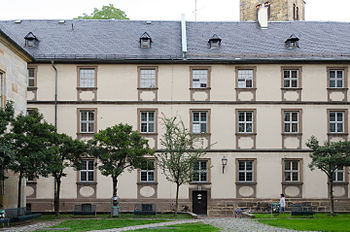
<point>108,40</point>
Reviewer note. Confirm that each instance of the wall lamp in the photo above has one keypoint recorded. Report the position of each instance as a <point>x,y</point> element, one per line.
<point>224,163</point>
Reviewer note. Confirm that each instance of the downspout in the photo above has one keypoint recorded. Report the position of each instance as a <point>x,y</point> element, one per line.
<point>53,66</point>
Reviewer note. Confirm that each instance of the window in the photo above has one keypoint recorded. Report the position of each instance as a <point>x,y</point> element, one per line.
<point>147,78</point>
<point>291,122</point>
<point>30,178</point>
<point>87,172</point>
<point>245,78</point>
<point>2,89</point>
<point>87,121</point>
<point>338,175</point>
<point>31,77</point>
<point>245,170</point>
<point>290,78</point>
<point>87,77</point>
<point>199,122</point>
<point>291,171</point>
<point>30,112</point>
<point>147,172</point>
<point>336,122</point>
<point>245,122</point>
<point>200,171</point>
<point>336,78</point>
<point>147,121</point>
<point>200,78</point>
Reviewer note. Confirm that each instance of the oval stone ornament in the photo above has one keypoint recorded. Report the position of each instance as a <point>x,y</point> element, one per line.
<point>246,191</point>
<point>29,191</point>
<point>87,191</point>
<point>147,191</point>
<point>292,191</point>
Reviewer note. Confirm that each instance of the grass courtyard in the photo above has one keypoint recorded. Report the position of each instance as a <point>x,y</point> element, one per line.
<point>320,222</point>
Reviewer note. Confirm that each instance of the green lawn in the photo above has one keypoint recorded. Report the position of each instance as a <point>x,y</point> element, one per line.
<point>320,222</point>
<point>187,227</point>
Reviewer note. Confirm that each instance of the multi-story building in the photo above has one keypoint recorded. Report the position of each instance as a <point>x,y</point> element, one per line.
<point>253,92</point>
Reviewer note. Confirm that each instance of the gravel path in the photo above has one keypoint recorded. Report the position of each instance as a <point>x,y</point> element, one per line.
<point>31,227</point>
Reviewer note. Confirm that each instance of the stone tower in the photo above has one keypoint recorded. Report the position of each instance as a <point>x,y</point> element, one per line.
<point>280,10</point>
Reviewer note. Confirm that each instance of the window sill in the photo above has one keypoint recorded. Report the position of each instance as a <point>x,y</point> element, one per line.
<point>292,183</point>
<point>147,88</point>
<point>200,89</point>
<point>245,134</point>
<point>337,89</point>
<point>86,183</point>
<point>337,134</point>
<point>201,134</point>
<point>85,134</point>
<point>292,134</point>
<point>145,133</point>
<point>31,182</point>
<point>291,89</point>
<point>200,183</point>
<point>245,89</point>
<point>86,88</point>
<point>339,183</point>
<point>245,183</point>
<point>147,183</point>
<point>32,88</point>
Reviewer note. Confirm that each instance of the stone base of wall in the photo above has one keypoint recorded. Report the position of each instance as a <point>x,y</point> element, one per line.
<point>216,207</point>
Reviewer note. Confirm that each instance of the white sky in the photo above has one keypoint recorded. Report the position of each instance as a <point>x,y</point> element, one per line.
<point>208,10</point>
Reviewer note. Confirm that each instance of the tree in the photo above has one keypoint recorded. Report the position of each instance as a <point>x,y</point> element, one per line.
<point>328,158</point>
<point>30,138</point>
<point>68,153</point>
<point>119,148</point>
<point>179,155</point>
<point>107,12</point>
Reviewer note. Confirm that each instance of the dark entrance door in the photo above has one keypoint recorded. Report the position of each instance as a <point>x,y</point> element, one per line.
<point>199,202</point>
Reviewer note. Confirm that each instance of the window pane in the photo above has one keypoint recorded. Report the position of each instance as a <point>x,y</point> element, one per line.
<point>143,127</point>
<point>143,176</point>
<point>241,116</point>
<point>249,116</point>
<point>204,165</point>
<point>83,176</point>
<point>294,74</point>
<point>332,74</point>
<point>332,83</point>
<point>83,127</point>
<point>203,127</point>
<point>203,117</point>
<point>151,116</point>
<point>31,82</point>
<point>294,127</point>
<point>91,127</point>
<point>294,83</point>
<point>151,176</point>
<point>241,127</point>
<point>287,165</point>
<point>241,165</point>
<point>91,116</point>
<point>286,74</point>
<point>286,127</point>
<point>340,127</point>
<point>286,116</point>
<point>340,176</point>
<point>195,176</point>
<point>340,116</point>
<point>286,83</point>
<point>87,78</point>
<point>151,127</point>
<point>249,127</point>
<point>294,116</point>
<point>90,165</point>
<point>91,176</point>
<point>241,176</point>
<point>294,165</point>
<point>249,176</point>
<point>83,115</point>
<point>287,176</point>
<point>295,176</point>
<point>332,116</point>
<point>196,116</point>
<point>339,83</point>
<point>249,83</point>
<point>203,176</point>
<point>340,74</point>
<point>143,116</point>
<point>147,78</point>
<point>196,128</point>
<point>332,127</point>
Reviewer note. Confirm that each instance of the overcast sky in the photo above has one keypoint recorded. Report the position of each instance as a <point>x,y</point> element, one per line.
<point>208,10</point>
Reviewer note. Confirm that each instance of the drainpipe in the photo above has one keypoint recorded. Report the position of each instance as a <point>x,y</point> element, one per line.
<point>53,66</point>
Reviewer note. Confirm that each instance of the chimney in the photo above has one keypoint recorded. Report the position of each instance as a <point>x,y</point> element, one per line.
<point>262,15</point>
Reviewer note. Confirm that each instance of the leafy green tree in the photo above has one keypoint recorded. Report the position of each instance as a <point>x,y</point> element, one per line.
<point>30,137</point>
<point>67,153</point>
<point>107,12</point>
<point>179,156</point>
<point>328,158</point>
<point>119,148</point>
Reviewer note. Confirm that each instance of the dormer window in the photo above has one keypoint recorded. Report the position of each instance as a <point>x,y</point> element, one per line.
<point>145,40</point>
<point>292,42</point>
<point>31,40</point>
<point>214,42</point>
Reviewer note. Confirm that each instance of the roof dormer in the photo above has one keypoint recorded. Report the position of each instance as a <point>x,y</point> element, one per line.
<point>145,40</point>
<point>292,42</point>
<point>214,42</point>
<point>31,41</point>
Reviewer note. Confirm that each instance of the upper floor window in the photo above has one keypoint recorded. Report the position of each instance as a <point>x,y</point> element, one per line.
<point>336,122</point>
<point>290,78</point>
<point>147,78</point>
<point>199,122</point>
<point>245,121</point>
<point>87,171</point>
<point>245,170</point>
<point>200,171</point>
<point>147,121</point>
<point>200,78</point>
<point>291,122</point>
<point>147,172</point>
<point>245,78</point>
<point>87,77</point>
<point>291,170</point>
<point>2,89</point>
<point>31,77</point>
<point>336,78</point>
<point>339,174</point>
<point>87,121</point>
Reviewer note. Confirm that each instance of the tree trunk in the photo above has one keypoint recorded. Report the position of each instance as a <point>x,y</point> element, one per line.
<point>115,183</point>
<point>57,197</point>
<point>177,200</point>
<point>331,196</point>
<point>19,191</point>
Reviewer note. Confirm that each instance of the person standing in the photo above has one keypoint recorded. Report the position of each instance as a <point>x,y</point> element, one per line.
<point>282,203</point>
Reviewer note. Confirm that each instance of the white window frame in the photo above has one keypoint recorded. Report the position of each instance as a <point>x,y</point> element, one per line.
<point>243,76</point>
<point>290,122</point>
<point>200,171</point>
<point>200,78</point>
<point>87,80</point>
<point>198,124</point>
<point>148,78</point>
<point>337,122</point>
<point>245,122</point>
<point>87,170</point>
<point>29,78</point>
<point>336,78</point>
<point>87,122</point>
<point>289,80</point>
<point>149,173</point>
<point>148,122</point>
<point>336,174</point>
<point>291,171</point>
<point>245,171</point>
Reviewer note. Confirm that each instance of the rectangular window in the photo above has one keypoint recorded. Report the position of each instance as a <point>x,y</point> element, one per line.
<point>87,172</point>
<point>291,122</point>
<point>245,170</point>
<point>200,78</point>
<point>31,77</point>
<point>147,172</point>
<point>200,171</point>
<point>336,122</point>
<point>245,78</point>
<point>199,122</point>
<point>336,78</point>
<point>2,89</point>
<point>147,121</point>
<point>290,78</point>
<point>87,77</point>
<point>245,122</point>
<point>291,171</point>
<point>87,121</point>
<point>148,78</point>
<point>339,174</point>
<point>30,178</point>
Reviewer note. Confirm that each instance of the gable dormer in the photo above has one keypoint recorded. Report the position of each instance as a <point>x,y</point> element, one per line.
<point>145,40</point>
<point>214,41</point>
<point>292,42</point>
<point>31,41</point>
